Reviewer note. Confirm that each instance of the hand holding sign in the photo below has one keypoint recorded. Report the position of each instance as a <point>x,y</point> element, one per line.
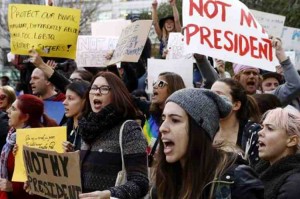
<point>35,58</point>
<point>280,53</point>
<point>5,185</point>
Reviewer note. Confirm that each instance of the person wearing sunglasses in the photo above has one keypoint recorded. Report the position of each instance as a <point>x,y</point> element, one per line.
<point>108,105</point>
<point>166,84</point>
<point>7,97</point>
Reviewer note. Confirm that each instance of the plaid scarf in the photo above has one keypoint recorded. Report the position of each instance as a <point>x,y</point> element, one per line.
<point>10,142</point>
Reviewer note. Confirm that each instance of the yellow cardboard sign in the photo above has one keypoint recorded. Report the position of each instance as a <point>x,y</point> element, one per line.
<point>52,31</point>
<point>43,138</point>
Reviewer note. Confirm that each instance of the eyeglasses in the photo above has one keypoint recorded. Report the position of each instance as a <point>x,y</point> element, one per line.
<point>160,83</point>
<point>104,90</point>
<point>3,97</point>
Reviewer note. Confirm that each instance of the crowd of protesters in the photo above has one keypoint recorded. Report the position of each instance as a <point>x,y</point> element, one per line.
<point>232,136</point>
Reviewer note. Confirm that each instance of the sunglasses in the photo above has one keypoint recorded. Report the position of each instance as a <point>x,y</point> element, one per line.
<point>160,83</point>
<point>3,97</point>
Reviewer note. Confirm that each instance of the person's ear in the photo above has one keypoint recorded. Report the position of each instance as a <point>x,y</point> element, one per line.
<point>236,105</point>
<point>293,141</point>
<point>237,77</point>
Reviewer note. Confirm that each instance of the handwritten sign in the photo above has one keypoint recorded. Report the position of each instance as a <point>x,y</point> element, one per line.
<point>291,41</point>
<point>51,174</point>
<point>109,28</point>
<point>42,138</point>
<point>131,42</point>
<point>182,67</point>
<point>272,23</point>
<point>175,46</point>
<point>227,30</point>
<point>91,50</point>
<point>52,31</point>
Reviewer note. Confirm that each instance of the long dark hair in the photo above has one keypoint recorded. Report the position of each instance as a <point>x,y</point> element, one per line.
<point>34,108</point>
<point>249,108</point>
<point>121,98</point>
<point>203,163</point>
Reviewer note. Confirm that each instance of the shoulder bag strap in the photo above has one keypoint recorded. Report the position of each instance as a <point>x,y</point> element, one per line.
<point>121,144</point>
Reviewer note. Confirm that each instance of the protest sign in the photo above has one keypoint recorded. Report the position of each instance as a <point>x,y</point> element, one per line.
<point>51,174</point>
<point>109,28</point>
<point>52,31</point>
<point>175,46</point>
<point>43,138</point>
<point>91,50</point>
<point>272,23</point>
<point>226,30</point>
<point>131,42</point>
<point>55,110</point>
<point>182,67</point>
<point>291,41</point>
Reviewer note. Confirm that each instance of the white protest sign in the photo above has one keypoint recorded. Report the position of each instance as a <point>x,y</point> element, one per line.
<point>291,42</point>
<point>91,50</point>
<point>131,42</point>
<point>182,67</point>
<point>175,46</point>
<point>226,30</point>
<point>291,38</point>
<point>109,28</point>
<point>272,23</point>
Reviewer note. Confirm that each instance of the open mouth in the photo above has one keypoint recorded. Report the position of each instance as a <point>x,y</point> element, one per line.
<point>168,145</point>
<point>97,103</point>
<point>261,144</point>
<point>251,83</point>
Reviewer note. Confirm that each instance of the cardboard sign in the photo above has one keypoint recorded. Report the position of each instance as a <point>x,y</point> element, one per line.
<point>272,23</point>
<point>175,46</point>
<point>55,110</point>
<point>131,42</point>
<point>109,28</point>
<point>52,31</point>
<point>182,67</point>
<point>91,50</point>
<point>43,138</point>
<point>51,174</point>
<point>226,30</point>
<point>291,42</point>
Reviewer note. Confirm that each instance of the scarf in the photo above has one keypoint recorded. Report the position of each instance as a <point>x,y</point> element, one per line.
<point>95,124</point>
<point>10,142</point>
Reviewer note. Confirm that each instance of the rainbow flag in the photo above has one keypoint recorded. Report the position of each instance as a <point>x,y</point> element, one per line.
<point>151,131</point>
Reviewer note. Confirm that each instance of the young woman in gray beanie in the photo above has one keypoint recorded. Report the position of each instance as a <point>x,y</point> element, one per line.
<point>189,166</point>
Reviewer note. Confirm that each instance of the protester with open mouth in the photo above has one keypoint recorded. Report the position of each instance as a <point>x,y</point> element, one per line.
<point>108,105</point>
<point>189,166</point>
<point>279,144</point>
<point>166,84</point>
<point>26,112</point>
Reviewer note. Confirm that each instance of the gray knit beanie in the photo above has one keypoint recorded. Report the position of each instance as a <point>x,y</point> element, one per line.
<point>204,106</point>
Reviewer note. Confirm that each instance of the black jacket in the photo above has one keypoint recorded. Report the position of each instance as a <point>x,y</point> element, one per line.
<point>282,179</point>
<point>3,128</point>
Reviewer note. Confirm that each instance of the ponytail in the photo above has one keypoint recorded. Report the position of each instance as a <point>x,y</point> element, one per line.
<point>253,109</point>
